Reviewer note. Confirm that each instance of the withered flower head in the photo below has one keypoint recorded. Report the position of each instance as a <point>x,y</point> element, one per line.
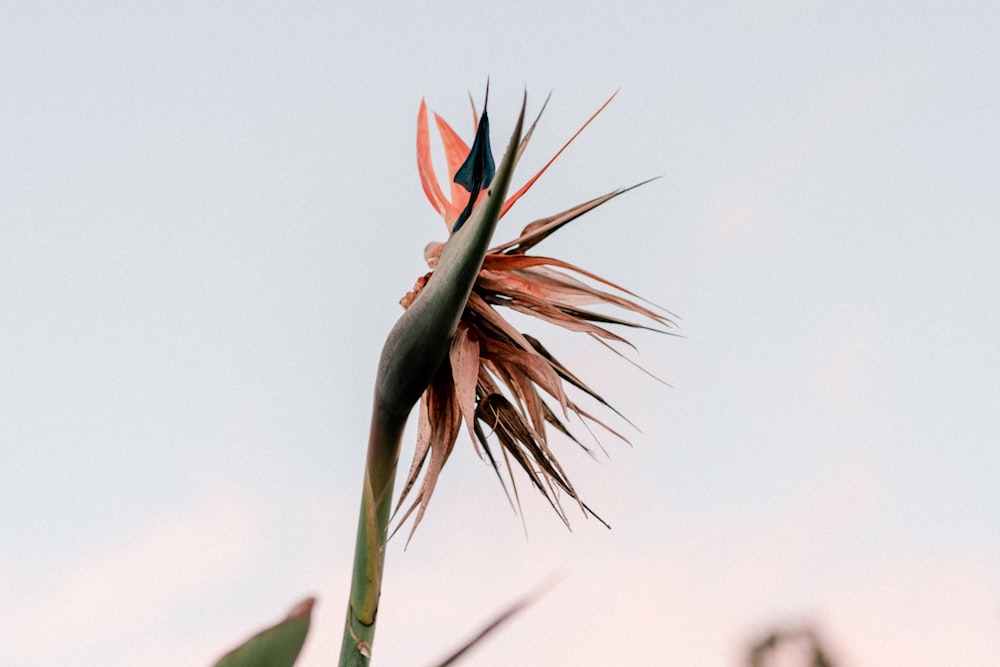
<point>497,380</point>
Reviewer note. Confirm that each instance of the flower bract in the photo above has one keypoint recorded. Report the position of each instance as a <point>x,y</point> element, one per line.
<point>500,385</point>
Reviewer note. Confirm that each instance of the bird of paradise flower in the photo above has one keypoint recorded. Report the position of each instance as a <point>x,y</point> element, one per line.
<point>455,353</point>
<point>495,378</point>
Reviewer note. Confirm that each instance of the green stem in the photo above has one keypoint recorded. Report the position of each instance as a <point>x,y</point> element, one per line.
<point>369,550</point>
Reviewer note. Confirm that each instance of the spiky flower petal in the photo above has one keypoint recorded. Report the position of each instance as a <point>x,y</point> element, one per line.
<point>497,381</point>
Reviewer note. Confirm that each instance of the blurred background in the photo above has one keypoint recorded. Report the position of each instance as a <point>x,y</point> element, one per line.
<point>208,213</point>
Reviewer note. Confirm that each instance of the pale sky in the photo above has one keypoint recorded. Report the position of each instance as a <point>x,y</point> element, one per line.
<point>208,214</point>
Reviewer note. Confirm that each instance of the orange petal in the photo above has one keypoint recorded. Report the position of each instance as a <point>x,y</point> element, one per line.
<point>419,457</point>
<point>440,423</point>
<point>529,274</point>
<point>444,432</point>
<point>464,358</point>
<point>455,152</point>
<point>527,363</point>
<point>425,165</point>
<point>538,230</point>
<point>522,262</point>
<point>531,181</point>
<point>478,305</point>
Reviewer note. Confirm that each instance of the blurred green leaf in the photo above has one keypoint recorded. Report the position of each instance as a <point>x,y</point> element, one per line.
<point>504,616</point>
<point>278,645</point>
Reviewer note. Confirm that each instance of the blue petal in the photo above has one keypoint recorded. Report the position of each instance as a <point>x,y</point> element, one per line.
<point>478,169</point>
